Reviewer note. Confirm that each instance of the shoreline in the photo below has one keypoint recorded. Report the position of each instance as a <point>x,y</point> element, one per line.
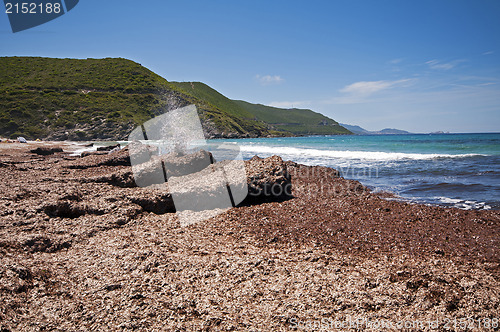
<point>76,148</point>
<point>79,251</point>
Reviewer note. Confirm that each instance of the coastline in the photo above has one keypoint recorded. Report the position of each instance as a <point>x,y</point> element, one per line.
<point>334,250</point>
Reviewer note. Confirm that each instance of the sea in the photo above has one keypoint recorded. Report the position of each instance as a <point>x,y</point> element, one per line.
<point>459,170</point>
<point>454,170</point>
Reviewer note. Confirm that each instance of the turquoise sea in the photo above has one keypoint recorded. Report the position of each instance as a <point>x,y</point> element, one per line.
<point>459,170</point>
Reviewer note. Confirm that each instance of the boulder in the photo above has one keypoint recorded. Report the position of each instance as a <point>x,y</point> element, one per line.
<point>194,183</point>
<point>92,153</point>
<point>158,169</point>
<point>45,151</point>
<point>101,158</point>
<point>155,201</point>
<point>108,148</point>
<point>268,179</point>
<point>121,178</point>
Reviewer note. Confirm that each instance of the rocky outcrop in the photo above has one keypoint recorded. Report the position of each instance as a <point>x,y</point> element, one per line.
<point>101,158</point>
<point>155,201</point>
<point>268,179</point>
<point>109,147</point>
<point>158,169</point>
<point>45,151</point>
<point>195,178</point>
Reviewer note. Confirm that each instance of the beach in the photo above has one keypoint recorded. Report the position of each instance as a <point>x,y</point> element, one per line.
<point>82,249</point>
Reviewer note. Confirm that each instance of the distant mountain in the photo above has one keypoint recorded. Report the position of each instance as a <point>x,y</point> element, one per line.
<point>105,99</point>
<point>361,131</point>
<point>356,129</point>
<point>391,131</point>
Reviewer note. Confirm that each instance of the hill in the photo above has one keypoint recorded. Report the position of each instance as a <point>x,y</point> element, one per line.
<point>356,129</point>
<point>89,99</point>
<point>291,121</point>
<point>297,121</point>
<point>387,131</point>
<point>392,131</point>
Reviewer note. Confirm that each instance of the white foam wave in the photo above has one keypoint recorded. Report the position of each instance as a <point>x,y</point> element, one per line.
<point>448,200</point>
<point>464,204</point>
<point>78,152</point>
<point>366,155</point>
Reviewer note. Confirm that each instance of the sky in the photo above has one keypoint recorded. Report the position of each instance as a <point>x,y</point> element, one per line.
<point>420,66</point>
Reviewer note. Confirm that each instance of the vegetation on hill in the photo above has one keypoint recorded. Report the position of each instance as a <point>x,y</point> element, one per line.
<point>42,96</point>
<point>294,120</point>
<point>106,98</point>
<point>290,121</point>
<point>238,117</point>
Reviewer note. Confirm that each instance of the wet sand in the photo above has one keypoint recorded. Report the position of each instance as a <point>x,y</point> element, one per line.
<point>80,253</point>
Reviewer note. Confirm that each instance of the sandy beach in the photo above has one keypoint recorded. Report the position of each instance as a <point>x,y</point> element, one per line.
<point>81,248</point>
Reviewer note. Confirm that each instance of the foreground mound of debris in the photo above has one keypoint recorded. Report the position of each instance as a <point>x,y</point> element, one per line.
<point>196,178</point>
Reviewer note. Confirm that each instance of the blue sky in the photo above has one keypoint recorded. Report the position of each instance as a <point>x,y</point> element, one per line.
<point>416,65</point>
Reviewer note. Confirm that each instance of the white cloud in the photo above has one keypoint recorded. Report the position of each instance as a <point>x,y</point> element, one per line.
<point>269,79</point>
<point>488,53</point>
<point>435,64</point>
<point>366,88</point>
<point>288,104</point>
<point>395,61</point>
<point>366,91</point>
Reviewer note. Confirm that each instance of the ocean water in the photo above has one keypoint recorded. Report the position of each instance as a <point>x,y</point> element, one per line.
<point>460,170</point>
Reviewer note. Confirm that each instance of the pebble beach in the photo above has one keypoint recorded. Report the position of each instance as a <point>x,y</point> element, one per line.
<point>80,251</point>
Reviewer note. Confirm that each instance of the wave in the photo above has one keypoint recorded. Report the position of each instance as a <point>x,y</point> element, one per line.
<point>366,155</point>
<point>463,204</point>
<point>447,202</point>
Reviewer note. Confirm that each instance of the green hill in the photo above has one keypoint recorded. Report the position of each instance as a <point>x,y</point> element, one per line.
<point>106,98</point>
<point>297,121</point>
<point>291,121</point>
<point>214,98</point>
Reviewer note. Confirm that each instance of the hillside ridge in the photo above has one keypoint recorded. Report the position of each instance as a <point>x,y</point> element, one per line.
<point>105,99</point>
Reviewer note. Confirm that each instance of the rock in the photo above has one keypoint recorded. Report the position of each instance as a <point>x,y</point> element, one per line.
<point>156,201</point>
<point>178,165</point>
<point>160,168</point>
<point>108,148</point>
<point>100,158</point>
<point>45,151</point>
<point>121,178</point>
<point>141,152</point>
<point>208,189</point>
<point>194,180</point>
<point>117,158</point>
<point>268,179</point>
<point>93,153</point>
<point>229,183</point>
<point>38,244</point>
<point>112,287</point>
